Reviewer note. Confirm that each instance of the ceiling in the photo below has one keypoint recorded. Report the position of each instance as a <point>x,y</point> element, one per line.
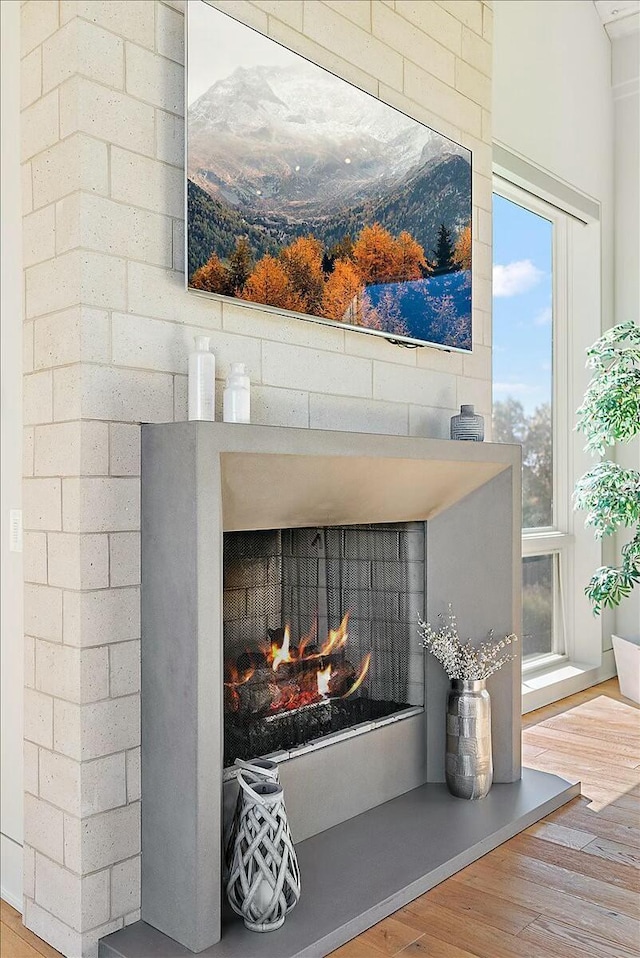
<point>619,17</point>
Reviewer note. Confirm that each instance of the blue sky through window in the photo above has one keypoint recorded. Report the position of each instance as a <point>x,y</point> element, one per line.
<point>522,298</point>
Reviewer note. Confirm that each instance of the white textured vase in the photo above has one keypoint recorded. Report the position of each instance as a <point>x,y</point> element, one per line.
<point>264,878</point>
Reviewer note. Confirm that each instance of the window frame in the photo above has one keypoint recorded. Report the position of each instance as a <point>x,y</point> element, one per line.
<point>581,310</point>
<point>555,539</point>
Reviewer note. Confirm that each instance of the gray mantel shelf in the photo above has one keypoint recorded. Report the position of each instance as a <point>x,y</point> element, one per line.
<point>357,873</point>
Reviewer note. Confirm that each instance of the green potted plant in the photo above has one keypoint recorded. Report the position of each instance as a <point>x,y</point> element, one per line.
<point>610,493</point>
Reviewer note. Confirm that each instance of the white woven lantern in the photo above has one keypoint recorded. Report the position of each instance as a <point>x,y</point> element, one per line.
<point>264,878</point>
<point>257,770</point>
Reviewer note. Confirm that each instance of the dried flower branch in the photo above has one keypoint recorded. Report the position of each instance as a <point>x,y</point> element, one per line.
<point>461,660</point>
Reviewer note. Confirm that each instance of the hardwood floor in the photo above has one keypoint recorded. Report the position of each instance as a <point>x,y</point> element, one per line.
<point>16,941</point>
<point>568,887</point>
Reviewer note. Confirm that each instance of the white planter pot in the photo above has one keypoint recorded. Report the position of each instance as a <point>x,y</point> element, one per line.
<point>627,654</point>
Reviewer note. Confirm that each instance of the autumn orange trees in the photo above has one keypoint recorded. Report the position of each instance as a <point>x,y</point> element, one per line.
<point>270,284</point>
<point>306,278</point>
<point>302,262</point>
<point>340,291</point>
<point>373,255</point>
<point>462,251</point>
<point>380,258</point>
<point>213,277</point>
<point>409,258</point>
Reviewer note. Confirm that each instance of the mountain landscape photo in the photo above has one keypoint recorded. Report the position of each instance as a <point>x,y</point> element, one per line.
<point>307,194</point>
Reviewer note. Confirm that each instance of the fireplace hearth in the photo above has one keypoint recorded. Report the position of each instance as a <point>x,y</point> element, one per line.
<point>283,571</point>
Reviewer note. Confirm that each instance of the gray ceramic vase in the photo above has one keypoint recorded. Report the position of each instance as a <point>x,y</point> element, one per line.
<point>467,425</point>
<point>469,762</point>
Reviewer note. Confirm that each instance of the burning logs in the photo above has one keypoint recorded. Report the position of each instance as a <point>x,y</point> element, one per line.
<point>248,661</point>
<point>342,678</point>
<point>259,693</point>
<point>255,688</point>
<point>284,676</point>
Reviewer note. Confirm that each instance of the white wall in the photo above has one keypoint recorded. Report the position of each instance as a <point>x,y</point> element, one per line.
<point>552,101</point>
<point>551,94</point>
<point>626,86</point>
<point>553,106</point>
<point>626,92</point>
<point>11,330</point>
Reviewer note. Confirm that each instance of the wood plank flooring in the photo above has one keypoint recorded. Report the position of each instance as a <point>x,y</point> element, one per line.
<point>16,941</point>
<point>568,887</point>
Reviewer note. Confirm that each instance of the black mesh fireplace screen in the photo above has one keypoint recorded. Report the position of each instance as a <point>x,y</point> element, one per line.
<point>320,632</point>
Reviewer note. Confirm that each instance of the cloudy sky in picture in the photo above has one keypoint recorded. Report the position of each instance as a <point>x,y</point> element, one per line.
<point>522,296</point>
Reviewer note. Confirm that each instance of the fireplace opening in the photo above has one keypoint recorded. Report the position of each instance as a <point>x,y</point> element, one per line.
<point>320,634</point>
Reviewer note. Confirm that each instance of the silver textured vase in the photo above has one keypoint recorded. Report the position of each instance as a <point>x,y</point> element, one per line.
<point>469,762</point>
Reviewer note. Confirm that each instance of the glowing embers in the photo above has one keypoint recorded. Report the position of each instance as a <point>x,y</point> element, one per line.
<point>285,676</point>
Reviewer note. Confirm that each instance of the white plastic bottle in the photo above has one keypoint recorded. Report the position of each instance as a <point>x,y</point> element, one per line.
<point>237,396</point>
<point>202,381</point>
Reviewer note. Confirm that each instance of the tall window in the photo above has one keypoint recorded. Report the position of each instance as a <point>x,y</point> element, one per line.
<point>528,244</point>
<point>523,350</point>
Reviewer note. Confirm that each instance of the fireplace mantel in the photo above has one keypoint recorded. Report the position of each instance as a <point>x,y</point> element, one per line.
<point>200,480</point>
<point>350,481</point>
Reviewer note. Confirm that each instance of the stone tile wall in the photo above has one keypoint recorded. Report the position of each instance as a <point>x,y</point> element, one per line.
<point>107,329</point>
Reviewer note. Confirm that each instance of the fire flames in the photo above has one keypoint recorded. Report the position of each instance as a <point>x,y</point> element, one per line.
<point>281,653</point>
<point>235,680</point>
<point>288,675</point>
<point>323,677</point>
<point>314,679</point>
<point>364,668</point>
<point>336,639</point>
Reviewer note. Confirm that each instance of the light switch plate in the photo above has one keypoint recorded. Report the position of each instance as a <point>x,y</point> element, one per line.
<point>15,530</point>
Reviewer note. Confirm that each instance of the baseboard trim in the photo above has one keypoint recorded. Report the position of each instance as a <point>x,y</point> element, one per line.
<point>10,899</point>
<point>11,879</point>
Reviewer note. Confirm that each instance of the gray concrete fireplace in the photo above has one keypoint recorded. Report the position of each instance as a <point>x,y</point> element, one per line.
<point>283,574</point>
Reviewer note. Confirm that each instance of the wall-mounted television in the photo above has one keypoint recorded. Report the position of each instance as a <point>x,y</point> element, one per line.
<point>307,196</point>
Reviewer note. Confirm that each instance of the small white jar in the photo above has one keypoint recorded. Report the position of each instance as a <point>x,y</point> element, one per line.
<point>236,405</point>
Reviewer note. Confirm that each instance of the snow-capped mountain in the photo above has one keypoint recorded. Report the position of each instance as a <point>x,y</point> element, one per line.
<point>298,141</point>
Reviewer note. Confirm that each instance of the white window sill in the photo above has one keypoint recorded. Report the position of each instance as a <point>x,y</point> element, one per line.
<point>548,684</point>
<point>544,662</point>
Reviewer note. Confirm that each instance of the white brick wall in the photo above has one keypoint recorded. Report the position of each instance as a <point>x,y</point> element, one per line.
<point>104,784</point>
<point>76,675</point>
<point>108,326</point>
<point>79,162</point>
<point>43,827</point>
<point>79,902</point>
<point>78,561</point>
<point>82,48</point>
